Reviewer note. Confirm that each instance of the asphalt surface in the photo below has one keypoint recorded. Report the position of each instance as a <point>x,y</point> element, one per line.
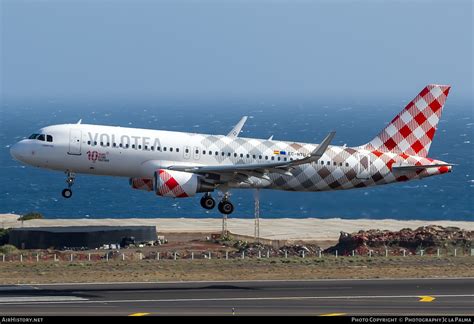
<point>318,297</point>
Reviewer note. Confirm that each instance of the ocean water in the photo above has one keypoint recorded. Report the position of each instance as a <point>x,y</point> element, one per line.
<point>450,196</point>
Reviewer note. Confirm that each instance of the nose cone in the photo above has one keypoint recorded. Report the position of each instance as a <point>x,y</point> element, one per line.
<point>19,152</point>
<point>15,151</point>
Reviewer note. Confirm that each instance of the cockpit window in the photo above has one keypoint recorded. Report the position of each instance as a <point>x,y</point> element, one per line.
<point>41,137</point>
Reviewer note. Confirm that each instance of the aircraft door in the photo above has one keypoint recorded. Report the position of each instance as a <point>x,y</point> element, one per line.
<point>363,171</point>
<point>75,141</point>
<point>187,152</point>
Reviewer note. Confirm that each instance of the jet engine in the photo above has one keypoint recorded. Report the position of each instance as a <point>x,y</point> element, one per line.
<point>141,183</point>
<point>178,184</point>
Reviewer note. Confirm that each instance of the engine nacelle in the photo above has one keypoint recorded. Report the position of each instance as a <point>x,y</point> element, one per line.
<point>178,184</point>
<point>141,183</point>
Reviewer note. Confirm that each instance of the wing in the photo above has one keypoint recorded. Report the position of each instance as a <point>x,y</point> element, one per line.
<point>237,128</point>
<point>256,168</point>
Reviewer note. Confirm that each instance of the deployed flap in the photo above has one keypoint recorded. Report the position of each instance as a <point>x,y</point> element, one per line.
<point>418,167</point>
<point>237,128</point>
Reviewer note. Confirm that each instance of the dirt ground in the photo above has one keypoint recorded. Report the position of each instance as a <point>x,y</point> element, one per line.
<point>134,270</point>
<point>248,269</point>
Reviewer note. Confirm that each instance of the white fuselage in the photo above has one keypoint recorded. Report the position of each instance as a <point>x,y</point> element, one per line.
<point>139,153</point>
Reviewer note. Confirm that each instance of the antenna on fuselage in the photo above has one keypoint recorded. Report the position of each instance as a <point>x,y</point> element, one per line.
<point>79,122</point>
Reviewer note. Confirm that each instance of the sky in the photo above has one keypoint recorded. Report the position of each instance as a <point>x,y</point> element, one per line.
<point>194,49</point>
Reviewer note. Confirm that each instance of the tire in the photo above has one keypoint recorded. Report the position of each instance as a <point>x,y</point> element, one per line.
<point>67,193</point>
<point>225,207</point>
<point>208,202</point>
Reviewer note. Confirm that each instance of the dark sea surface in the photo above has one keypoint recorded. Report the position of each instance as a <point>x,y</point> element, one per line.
<point>450,196</point>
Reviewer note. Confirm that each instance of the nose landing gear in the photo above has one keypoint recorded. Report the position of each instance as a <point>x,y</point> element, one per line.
<point>67,193</point>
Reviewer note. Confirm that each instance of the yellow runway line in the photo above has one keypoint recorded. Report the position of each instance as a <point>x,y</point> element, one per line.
<point>139,314</point>
<point>333,314</point>
<point>426,299</point>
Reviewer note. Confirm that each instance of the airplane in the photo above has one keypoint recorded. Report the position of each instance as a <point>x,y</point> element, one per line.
<point>181,165</point>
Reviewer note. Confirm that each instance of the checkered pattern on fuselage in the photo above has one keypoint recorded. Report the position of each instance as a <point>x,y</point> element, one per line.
<point>348,167</point>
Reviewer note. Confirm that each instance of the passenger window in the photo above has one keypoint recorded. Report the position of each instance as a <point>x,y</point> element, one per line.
<point>203,152</point>
<point>340,164</point>
<point>235,154</point>
<point>120,145</point>
<point>186,150</point>
<point>266,157</point>
<point>335,163</point>
<point>210,152</point>
<point>248,156</point>
<point>228,154</point>
<point>329,163</point>
<point>108,144</point>
<point>260,157</point>
<point>41,137</point>
<point>177,149</point>
<point>197,151</point>
<point>133,146</point>
<point>164,148</point>
<point>127,145</point>
<point>347,164</point>
<point>217,153</point>
<point>88,142</point>
<point>171,149</point>
<point>241,155</point>
<point>254,156</point>
<point>152,148</point>
<point>49,138</point>
<point>146,147</point>
<point>114,145</point>
<point>322,162</point>
<point>284,159</point>
<point>273,158</point>
<point>279,158</point>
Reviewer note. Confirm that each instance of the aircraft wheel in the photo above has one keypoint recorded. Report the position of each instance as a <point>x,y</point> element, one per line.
<point>67,193</point>
<point>225,207</point>
<point>207,202</point>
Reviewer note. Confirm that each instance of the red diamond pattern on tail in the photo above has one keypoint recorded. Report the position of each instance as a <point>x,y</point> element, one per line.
<point>417,146</point>
<point>405,131</point>
<point>420,118</point>
<point>412,130</point>
<point>390,144</point>
<point>435,105</point>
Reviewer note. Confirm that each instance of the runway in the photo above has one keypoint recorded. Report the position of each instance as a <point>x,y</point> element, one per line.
<point>311,297</point>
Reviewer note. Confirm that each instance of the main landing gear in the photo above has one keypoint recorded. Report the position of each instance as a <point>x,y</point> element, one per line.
<point>67,193</point>
<point>224,206</point>
<point>207,202</point>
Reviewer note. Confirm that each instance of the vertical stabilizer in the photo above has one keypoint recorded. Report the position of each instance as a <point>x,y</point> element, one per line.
<point>413,129</point>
